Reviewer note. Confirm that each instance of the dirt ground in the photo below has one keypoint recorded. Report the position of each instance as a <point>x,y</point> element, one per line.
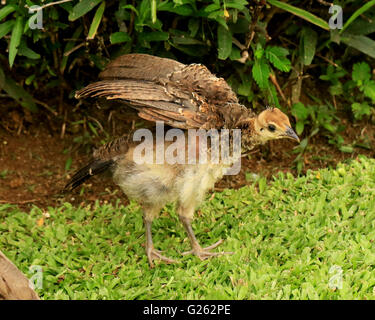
<point>35,153</point>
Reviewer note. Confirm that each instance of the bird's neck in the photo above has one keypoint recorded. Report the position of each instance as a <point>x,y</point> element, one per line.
<point>249,134</point>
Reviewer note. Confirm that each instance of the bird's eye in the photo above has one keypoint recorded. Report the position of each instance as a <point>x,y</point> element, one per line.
<point>271,128</point>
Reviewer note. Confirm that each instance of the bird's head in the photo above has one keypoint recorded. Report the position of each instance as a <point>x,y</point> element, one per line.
<point>270,124</point>
<point>273,124</point>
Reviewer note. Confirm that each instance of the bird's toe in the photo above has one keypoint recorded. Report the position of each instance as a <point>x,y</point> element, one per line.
<point>154,254</point>
<point>205,253</point>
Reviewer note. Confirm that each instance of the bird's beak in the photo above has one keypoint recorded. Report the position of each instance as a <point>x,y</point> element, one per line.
<point>291,134</point>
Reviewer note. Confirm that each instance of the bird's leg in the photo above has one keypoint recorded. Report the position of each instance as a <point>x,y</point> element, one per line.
<point>201,253</point>
<point>152,253</point>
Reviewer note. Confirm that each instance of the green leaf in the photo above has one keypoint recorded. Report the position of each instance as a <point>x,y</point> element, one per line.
<point>68,163</point>
<point>186,40</point>
<point>357,13</point>
<point>30,79</point>
<point>194,51</point>
<point>277,56</point>
<point>237,4</point>
<point>309,39</point>
<point>131,7</point>
<point>119,37</point>
<point>259,51</point>
<point>241,26</point>
<point>362,26</point>
<point>153,36</point>
<point>300,126</point>
<point>96,21</point>
<point>272,98</point>
<point>182,10</point>
<point>224,39</point>
<point>244,89</point>
<point>212,7</point>
<point>82,7</point>
<point>261,73</point>
<point>218,16</point>
<point>361,72</point>
<point>347,149</point>
<point>300,111</point>
<point>6,27</point>
<point>262,184</point>
<point>369,90</point>
<point>193,26</point>
<point>235,54</point>
<point>361,109</point>
<point>17,92</point>
<point>336,89</point>
<point>331,128</point>
<point>153,11</point>
<point>15,40</point>
<point>361,43</point>
<point>8,9</point>
<point>23,50</point>
<point>301,13</point>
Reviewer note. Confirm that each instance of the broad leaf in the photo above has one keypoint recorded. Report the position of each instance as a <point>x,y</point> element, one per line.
<point>5,11</point>
<point>15,39</point>
<point>361,109</point>
<point>82,7</point>
<point>369,90</point>
<point>300,111</point>
<point>300,13</point>
<point>182,10</point>
<point>153,36</point>
<point>309,39</point>
<point>361,43</point>
<point>277,56</point>
<point>17,92</point>
<point>363,26</point>
<point>24,50</point>
<point>6,27</point>
<point>361,72</point>
<point>224,39</point>
<point>119,37</point>
<point>261,72</point>
<point>96,21</point>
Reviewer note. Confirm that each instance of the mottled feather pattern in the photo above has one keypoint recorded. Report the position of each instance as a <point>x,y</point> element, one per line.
<point>140,67</point>
<point>185,96</point>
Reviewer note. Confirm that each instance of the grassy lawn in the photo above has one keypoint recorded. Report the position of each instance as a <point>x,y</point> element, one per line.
<point>294,238</point>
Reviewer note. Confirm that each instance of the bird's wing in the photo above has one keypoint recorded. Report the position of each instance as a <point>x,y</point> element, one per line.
<point>183,96</point>
<point>138,66</point>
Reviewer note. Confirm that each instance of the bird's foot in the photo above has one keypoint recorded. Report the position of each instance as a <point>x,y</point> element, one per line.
<point>153,254</point>
<point>205,253</point>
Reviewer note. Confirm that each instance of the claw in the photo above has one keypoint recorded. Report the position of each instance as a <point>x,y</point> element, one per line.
<point>153,254</point>
<point>204,253</point>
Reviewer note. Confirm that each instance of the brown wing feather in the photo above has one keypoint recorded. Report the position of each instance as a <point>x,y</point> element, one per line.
<point>140,67</point>
<point>165,90</point>
<point>197,78</point>
<point>126,90</point>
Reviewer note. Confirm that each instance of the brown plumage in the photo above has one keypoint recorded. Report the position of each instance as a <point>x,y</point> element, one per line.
<point>181,96</point>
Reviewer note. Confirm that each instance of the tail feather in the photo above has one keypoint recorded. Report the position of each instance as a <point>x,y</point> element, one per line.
<point>94,167</point>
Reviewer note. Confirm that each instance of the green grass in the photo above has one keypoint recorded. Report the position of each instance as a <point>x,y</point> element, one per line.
<point>286,238</point>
